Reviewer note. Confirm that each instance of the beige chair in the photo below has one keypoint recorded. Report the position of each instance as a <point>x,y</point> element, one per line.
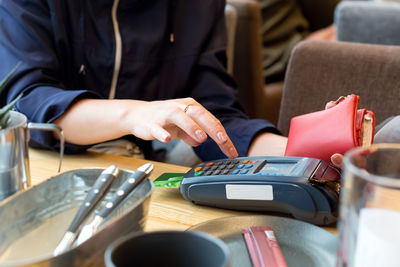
<point>247,68</point>
<point>231,21</point>
<point>262,100</point>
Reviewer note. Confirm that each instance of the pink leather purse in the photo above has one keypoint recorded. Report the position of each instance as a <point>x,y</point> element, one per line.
<point>335,130</point>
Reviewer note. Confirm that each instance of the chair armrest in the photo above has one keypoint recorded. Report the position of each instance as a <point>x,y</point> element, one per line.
<point>368,22</point>
<point>247,69</point>
<point>320,71</point>
<point>230,21</point>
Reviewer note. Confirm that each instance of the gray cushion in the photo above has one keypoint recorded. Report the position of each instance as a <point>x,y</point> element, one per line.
<point>368,22</point>
<point>389,132</point>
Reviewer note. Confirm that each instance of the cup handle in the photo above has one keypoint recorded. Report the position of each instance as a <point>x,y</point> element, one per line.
<point>54,128</point>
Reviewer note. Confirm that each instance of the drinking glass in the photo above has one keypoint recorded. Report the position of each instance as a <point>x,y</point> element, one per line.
<point>369,222</point>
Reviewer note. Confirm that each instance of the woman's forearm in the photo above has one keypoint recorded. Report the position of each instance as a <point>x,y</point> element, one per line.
<point>91,121</point>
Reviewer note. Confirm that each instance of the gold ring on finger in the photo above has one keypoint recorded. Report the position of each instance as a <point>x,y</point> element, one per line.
<point>186,108</point>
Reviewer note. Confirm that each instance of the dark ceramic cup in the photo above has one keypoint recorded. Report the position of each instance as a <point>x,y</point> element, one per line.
<point>168,248</point>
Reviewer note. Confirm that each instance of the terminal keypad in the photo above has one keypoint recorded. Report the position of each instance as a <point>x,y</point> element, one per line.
<point>227,166</point>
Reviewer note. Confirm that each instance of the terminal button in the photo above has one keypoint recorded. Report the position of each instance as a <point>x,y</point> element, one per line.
<point>198,169</point>
<point>241,166</point>
<point>245,161</point>
<point>198,173</point>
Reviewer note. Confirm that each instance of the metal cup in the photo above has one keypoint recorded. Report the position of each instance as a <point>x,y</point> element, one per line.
<point>14,158</point>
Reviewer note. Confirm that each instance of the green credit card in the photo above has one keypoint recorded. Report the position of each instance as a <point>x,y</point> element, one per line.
<point>172,180</point>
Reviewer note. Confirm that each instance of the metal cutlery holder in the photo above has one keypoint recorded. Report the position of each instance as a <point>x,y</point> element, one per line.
<point>33,222</point>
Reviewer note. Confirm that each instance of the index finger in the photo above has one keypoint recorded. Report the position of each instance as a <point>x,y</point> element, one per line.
<point>213,127</point>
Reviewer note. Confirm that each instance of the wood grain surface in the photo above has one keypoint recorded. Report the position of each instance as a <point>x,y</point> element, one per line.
<point>168,209</point>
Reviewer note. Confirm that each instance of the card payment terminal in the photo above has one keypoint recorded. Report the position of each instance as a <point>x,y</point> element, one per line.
<point>306,188</point>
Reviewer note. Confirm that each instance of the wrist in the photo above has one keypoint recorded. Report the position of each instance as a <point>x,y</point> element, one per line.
<point>131,116</point>
<point>267,144</point>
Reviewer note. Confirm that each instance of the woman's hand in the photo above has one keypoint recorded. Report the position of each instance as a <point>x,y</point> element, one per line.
<point>184,119</point>
<point>91,121</point>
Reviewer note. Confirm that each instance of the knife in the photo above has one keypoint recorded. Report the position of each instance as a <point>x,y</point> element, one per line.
<point>124,190</point>
<point>97,191</point>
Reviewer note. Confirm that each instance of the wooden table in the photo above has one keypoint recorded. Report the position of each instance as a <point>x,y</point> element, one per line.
<point>168,209</point>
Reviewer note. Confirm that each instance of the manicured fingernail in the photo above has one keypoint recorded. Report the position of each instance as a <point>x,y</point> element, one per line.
<point>200,134</point>
<point>167,138</point>
<point>222,137</point>
<point>336,160</point>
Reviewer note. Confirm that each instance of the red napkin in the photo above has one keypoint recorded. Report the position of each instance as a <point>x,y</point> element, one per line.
<point>263,248</point>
